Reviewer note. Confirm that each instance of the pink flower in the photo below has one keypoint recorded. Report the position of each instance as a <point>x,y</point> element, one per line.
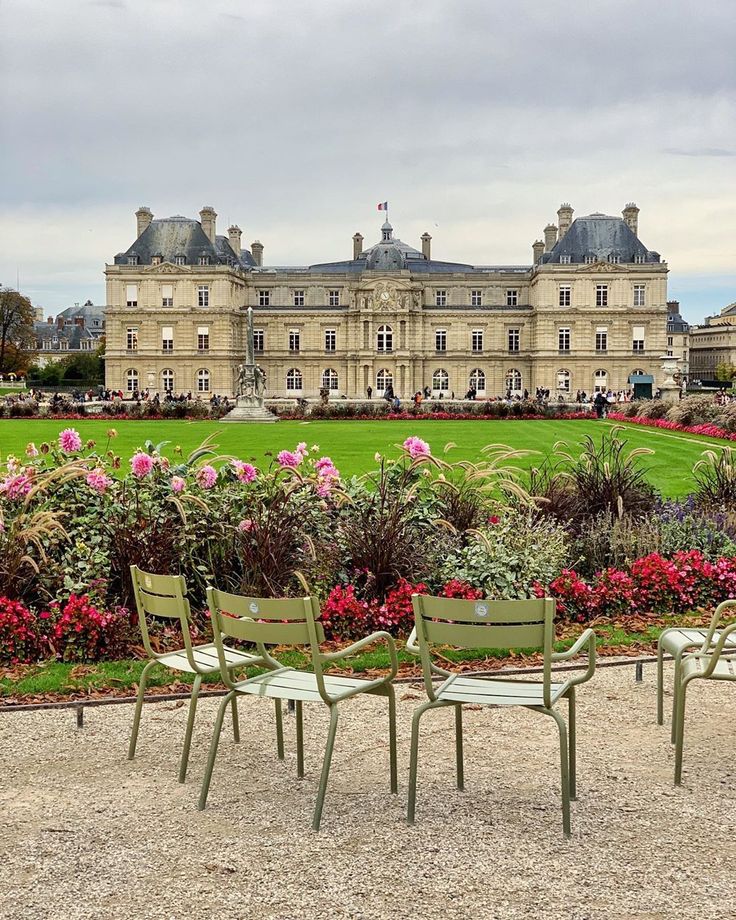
<point>301,449</point>
<point>177,483</point>
<point>415,447</point>
<point>325,467</point>
<point>163,462</point>
<point>245,472</point>
<point>288,460</point>
<point>16,486</point>
<point>98,481</point>
<point>206,476</point>
<point>141,464</point>
<point>69,441</point>
<point>31,450</point>
<point>246,526</point>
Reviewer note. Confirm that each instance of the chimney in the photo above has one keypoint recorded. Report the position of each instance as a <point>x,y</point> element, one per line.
<point>357,244</point>
<point>256,248</point>
<point>631,217</point>
<point>550,237</point>
<point>537,250</point>
<point>234,235</point>
<point>50,320</point>
<point>143,217</point>
<point>564,218</point>
<point>207,217</point>
<point>426,246</point>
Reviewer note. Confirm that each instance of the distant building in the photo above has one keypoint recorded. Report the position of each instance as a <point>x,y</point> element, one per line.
<point>589,311</point>
<point>76,329</point>
<point>713,343</point>
<point>678,337</point>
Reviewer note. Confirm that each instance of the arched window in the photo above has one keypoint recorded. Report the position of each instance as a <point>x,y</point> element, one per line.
<point>384,380</point>
<point>203,380</point>
<point>330,380</point>
<point>600,381</point>
<point>563,381</point>
<point>638,372</point>
<point>385,339</point>
<point>294,379</point>
<point>167,380</point>
<point>441,381</point>
<point>131,380</point>
<point>478,380</point>
<point>513,380</point>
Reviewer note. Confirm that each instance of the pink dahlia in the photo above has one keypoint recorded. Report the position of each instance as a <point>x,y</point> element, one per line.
<point>16,486</point>
<point>98,481</point>
<point>245,472</point>
<point>69,441</point>
<point>287,459</point>
<point>246,526</point>
<point>31,450</point>
<point>177,483</point>
<point>141,464</point>
<point>415,447</point>
<point>206,476</point>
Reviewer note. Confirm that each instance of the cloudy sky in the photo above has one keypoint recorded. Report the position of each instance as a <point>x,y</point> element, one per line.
<point>293,118</point>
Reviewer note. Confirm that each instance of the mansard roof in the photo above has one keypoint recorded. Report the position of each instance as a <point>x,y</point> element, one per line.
<point>170,237</point>
<point>600,236</point>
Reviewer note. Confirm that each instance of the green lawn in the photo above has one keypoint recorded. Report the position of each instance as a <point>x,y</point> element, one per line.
<point>352,444</point>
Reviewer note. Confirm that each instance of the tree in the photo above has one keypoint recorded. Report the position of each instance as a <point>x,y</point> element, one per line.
<point>725,372</point>
<point>16,327</point>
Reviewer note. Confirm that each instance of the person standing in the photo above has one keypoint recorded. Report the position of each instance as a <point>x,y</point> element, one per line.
<point>369,391</point>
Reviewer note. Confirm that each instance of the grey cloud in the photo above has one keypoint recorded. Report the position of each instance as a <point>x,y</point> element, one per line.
<point>701,152</point>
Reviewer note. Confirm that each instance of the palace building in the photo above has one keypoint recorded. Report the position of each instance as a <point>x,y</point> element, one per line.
<point>589,311</point>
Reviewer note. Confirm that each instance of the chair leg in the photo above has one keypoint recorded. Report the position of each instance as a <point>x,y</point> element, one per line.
<point>459,747</point>
<point>572,746</point>
<point>139,708</point>
<point>680,731</point>
<point>660,685</point>
<point>675,702</point>
<point>413,758</point>
<point>213,750</point>
<point>299,740</point>
<point>190,728</point>
<point>392,739</point>
<point>236,721</point>
<point>325,768</point>
<point>564,771</point>
<point>279,730</point>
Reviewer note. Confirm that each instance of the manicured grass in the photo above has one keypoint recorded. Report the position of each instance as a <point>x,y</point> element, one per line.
<point>352,444</point>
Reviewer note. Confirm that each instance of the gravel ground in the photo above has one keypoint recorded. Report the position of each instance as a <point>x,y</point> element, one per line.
<point>86,834</point>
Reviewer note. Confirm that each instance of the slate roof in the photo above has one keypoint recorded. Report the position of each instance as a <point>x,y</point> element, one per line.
<point>675,321</point>
<point>170,237</point>
<point>600,236</point>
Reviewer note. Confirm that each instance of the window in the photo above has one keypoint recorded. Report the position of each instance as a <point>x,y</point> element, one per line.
<point>384,380</point>
<point>131,381</point>
<point>639,295</point>
<point>670,341</point>
<point>513,380</point>
<point>476,298</point>
<point>476,341</point>
<point>514,339</point>
<point>330,379</point>
<point>167,380</point>
<point>478,380</point>
<point>638,371</point>
<point>512,298</point>
<point>601,338</point>
<point>131,295</point>
<point>203,338</point>
<point>294,379</point>
<point>294,339</point>
<point>203,295</point>
<point>331,340</point>
<point>637,338</point>
<point>167,295</point>
<point>131,336</point>
<point>589,260</point>
<point>264,298</point>
<point>132,260</point>
<point>167,338</point>
<point>203,260</point>
<point>298,298</point>
<point>563,381</point>
<point>613,258</point>
<point>156,260</point>
<point>565,295</point>
<point>180,260</point>
<point>600,381</point>
<point>601,295</point>
<point>440,298</point>
<point>258,339</point>
<point>441,381</point>
<point>384,339</point>
<point>565,259</point>
<point>440,340</point>
<point>333,298</point>
<point>638,259</point>
<point>563,339</point>
<point>203,381</point>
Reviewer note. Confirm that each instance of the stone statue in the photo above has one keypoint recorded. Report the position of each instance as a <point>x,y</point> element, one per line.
<point>250,387</point>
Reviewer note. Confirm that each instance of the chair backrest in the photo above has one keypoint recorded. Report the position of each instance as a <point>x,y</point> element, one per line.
<point>721,610</point>
<point>484,624</point>
<point>164,597</point>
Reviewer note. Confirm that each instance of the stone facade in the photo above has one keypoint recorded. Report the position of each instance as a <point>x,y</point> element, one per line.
<point>590,310</point>
<point>712,344</point>
<point>76,329</point>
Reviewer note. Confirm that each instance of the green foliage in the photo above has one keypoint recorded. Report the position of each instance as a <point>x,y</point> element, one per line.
<point>725,372</point>
<point>715,477</point>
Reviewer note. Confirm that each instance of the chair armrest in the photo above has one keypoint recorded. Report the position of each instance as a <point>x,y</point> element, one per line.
<point>587,639</point>
<point>381,636</point>
<point>411,643</point>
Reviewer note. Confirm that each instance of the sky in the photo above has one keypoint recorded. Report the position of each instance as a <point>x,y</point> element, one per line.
<point>475,119</point>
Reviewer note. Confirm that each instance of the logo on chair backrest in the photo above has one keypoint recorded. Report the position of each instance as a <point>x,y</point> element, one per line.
<point>481,610</point>
<point>148,581</point>
<point>253,607</point>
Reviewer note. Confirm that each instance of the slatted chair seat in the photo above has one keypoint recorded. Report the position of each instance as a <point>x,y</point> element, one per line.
<point>290,684</point>
<point>486,691</point>
<point>675,640</point>
<point>696,666</point>
<point>206,659</point>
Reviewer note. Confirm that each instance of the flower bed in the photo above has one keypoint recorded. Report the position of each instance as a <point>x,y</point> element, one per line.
<point>705,428</point>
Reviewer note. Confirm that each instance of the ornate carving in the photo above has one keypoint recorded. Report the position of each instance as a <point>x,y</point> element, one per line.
<point>166,268</point>
<point>602,267</point>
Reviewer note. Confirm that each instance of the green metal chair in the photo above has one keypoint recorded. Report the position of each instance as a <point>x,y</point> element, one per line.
<point>495,624</point>
<point>715,660</point>
<point>281,621</point>
<point>678,642</point>
<point>164,596</point>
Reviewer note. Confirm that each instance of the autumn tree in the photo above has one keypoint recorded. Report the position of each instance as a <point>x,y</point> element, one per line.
<point>16,328</point>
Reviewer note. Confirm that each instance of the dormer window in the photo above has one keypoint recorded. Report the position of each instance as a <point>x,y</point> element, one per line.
<point>613,258</point>
<point>564,260</point>
<point>204,260</point>
<point>589,260</point>
<point>156,260</point>
<point>133,259</point>
<point>638,259</point>
<point>180,260</point>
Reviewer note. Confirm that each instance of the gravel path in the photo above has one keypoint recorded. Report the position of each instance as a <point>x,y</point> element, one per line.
<point>86,834</point>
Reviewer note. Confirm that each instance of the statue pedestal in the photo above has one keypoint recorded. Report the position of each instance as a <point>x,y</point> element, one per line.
<point>249,409</point>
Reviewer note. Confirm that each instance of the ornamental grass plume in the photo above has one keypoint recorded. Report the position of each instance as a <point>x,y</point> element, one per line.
<point>70,441</point>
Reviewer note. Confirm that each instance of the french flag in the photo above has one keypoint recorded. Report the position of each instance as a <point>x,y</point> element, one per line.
<point>383,205</point>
